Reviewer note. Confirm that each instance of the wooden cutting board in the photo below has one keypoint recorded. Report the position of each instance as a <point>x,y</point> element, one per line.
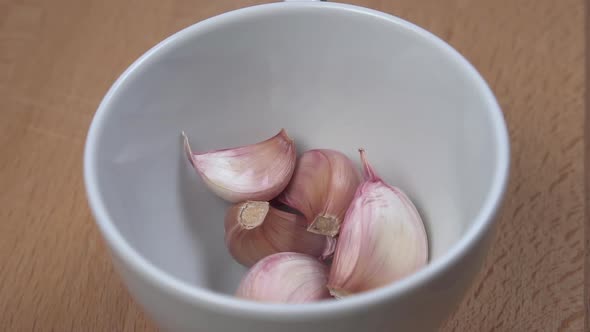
<point>58,58</point>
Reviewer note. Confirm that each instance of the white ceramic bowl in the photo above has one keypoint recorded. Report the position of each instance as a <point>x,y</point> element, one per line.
<point>335,76</point>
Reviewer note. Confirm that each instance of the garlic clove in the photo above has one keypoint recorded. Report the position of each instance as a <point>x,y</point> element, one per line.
<point>382,238</point>
<point>285,277</point>
<point>254,172</point>
<point>322,186</point>
<point>254,230</point>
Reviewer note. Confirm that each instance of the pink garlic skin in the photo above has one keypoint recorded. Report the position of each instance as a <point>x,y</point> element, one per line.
<point>382,238</point>
<point>256,172</point>
<point>285,277</point>
<point>279,232</point>
<point>323,185</point>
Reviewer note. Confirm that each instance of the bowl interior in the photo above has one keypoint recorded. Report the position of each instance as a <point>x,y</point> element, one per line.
<point>334,78</point>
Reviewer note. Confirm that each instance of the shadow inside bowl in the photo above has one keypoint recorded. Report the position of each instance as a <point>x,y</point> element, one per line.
<point>200,210</point>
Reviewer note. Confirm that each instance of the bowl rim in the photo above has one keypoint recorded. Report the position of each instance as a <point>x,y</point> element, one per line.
<point>238,307</point>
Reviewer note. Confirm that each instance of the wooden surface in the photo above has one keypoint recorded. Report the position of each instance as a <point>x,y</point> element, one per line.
<point>58,58</point>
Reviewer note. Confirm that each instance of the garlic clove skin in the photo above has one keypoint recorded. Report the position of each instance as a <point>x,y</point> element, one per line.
<point>285,277</point>
<point>382,238</point>
<point>322,187</point>
<point>256,172</point>
<point>255,229</point>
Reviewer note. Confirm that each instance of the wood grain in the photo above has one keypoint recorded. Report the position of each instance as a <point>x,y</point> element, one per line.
<point>58,58</point>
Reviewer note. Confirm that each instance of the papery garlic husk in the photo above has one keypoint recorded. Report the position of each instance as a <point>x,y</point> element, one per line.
<point>285,277</point>
<point>322,187</point>
<point>382,238</point>
<point>254,172</point>
<point>255,229</point>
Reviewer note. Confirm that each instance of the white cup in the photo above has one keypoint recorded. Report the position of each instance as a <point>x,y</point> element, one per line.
<point>335,76</point>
